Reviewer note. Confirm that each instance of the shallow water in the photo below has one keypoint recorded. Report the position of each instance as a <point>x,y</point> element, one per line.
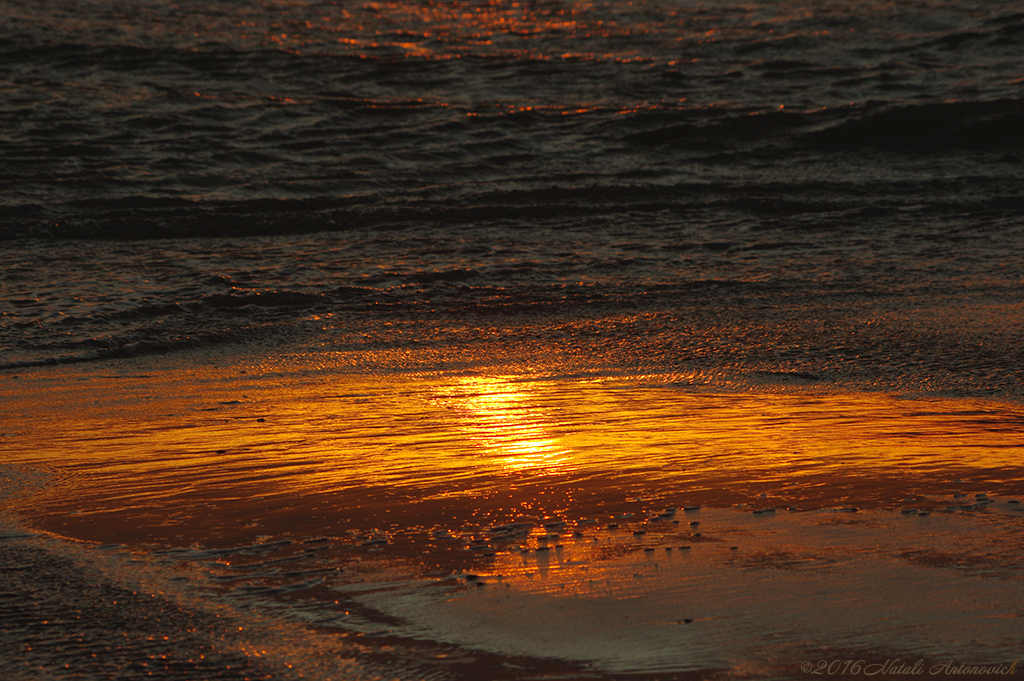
<point>402,452</point>
<point>628,526</point>
<point>755,595</point>
<point>926,311</point>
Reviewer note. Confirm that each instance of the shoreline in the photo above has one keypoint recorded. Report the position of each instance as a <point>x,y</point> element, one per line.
<point>754,597</point>
<point>474,527</point>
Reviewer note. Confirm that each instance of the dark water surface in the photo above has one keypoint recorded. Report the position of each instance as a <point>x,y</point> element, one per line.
<point>137,119</point>
<point>726,190</point>
<point>911,310</point>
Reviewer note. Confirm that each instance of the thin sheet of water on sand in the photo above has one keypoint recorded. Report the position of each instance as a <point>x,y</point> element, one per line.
<point>395,497</point>
<point>758,596</point>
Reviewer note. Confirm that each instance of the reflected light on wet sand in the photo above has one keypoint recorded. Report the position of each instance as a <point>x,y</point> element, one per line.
<point>497,414</point>
<point>210,453</point>
<point>630,524</point>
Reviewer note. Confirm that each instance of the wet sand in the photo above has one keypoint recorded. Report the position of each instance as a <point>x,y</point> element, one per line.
<point>476,527</point>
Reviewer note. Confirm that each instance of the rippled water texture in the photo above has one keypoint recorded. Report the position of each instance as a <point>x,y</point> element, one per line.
<point>628,526</point>
<point>508,340</point>
<point>405,452</point>
<point>921,310</point>
<point>140,119</point>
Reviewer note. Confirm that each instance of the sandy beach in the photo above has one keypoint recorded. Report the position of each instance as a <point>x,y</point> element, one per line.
<point>255,522</point>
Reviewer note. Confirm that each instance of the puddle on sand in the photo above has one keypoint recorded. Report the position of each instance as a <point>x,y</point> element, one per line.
<point>753,592</point>
<point>222,456</point>
<point>362,506</point>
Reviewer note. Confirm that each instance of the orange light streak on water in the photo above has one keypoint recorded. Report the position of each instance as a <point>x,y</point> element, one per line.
<point>431,465</point>
<point>496,413</point>
<point>436,450</point>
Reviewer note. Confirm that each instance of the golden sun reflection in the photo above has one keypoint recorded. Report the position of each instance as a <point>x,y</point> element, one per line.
<point>499,415</point>
<point>224,452</point>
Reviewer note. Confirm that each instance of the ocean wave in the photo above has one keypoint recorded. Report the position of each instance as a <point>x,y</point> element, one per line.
<point>136,124</point>
<point>832,201</point>
<point>45,355</point>
<point>933,127</point>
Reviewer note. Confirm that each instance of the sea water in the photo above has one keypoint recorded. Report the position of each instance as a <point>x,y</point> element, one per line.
<point>730,191</point>
<point>350,286</point>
